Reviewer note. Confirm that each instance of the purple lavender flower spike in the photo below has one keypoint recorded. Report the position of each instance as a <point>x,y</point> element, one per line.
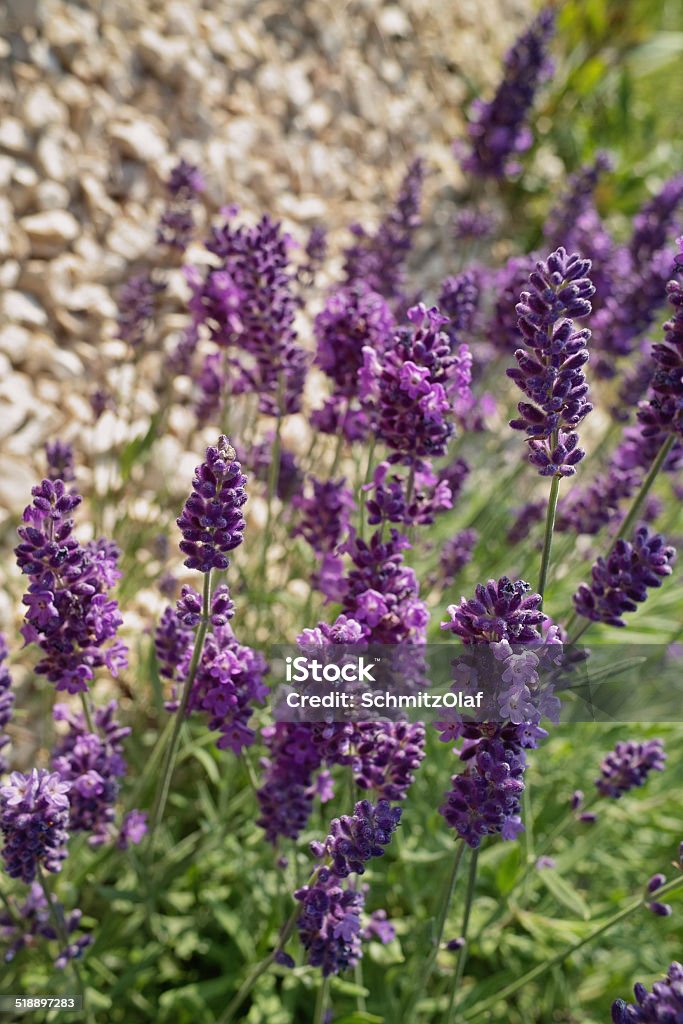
<point>6,703</point>
<point>91,764</point>
<point>505,610</point>
<point>133,829</point>
<point>621,581</point>
<point>379,259</point>
<point>256,283</point>
<point>60,461</point>
<point>550,372</point>
<point>389,754</point>
<point>664,1005</point>
<point>663,414</point>
<point>137,301</point>
<point>498,131</point>
<point>34,817</point>
<point>415,388</point>
<point>652,224</point>
<point>455,554</point>
<point>458,300</point>
<point>485,798</point>
<point>290,478</point>
<point>354,317</point>
<point>357,838</point>
<point>211,521</point>
<point>184,186</point>
<point>575,204</point>
<point>390,501</point>
<point>329,924</point>
<point>324,515</point>
<point>628,766</point>
<point>69,614</point>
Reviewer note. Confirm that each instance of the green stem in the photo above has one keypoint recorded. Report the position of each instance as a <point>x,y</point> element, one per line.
<point>408,1015</point>
<point>172,749</point>
<point>548,537</point>
<point>643,491</point>
<point>462,952</point>
<point>337,454</point>
<point>366,480</point>
<point>85,701</point>
<point>60,928</point>
<point>321,1002</point>
<point>272,489</point>
<point>547,965</point>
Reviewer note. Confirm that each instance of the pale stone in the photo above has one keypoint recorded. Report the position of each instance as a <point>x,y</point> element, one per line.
<point>13,135</point>
<point>50,232</point>
<point>21,308</point>
<point>139,140</point>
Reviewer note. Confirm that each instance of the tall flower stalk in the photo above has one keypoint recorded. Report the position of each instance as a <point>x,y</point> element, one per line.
<point>550,374</point>
<point>212,524</point>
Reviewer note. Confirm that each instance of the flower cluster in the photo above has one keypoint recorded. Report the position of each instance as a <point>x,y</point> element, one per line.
<point>137,307</point>
<point>211,521</point>
<point>455,554</point>
<point>498,130</point>
<point>176,225</point>
<point>34,817</point>
<point>628,766</point>
<point>391,503</point>
<point>379,258</point>
<point>32,921</point>
<point>289,478</point>
<point>415,386</point>
<point>506,610</point>
<point>324,515</point>
<point>550,373</point>
<point>387,756</point>
<point>329,924</point>
<point>60,461</point>
<point>357,838</point>
<point>91,763</point>
<point>6,703</point>
<point>621,581</point>
<point>353,318</point>
<point>69,613</point>
<point>229,676</point>
<point>248,303</point>
<point>664,1005</point>
<point>458,300</point>
<point>664,412</point>
<point>484,799</point>
<point>382,593</point>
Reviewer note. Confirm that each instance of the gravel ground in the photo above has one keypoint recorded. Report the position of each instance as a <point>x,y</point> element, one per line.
<point>309,111</point>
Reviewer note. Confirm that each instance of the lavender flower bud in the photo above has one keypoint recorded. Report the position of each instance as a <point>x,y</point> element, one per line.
<point>211,521</point>
<point>356,839</point>
<point>329,924</point>
<point>498,130</point>
<point>6,703</point>
<point>68,612</point>
<point>34,816</point>
<point>379,259</point>
<point>664,1004</point>
<point>621,581</point>
<point>60,461</point>
<point>550,373</point>
<point>656,882</point>
<point>628,766</point>
<point>91,764</point>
